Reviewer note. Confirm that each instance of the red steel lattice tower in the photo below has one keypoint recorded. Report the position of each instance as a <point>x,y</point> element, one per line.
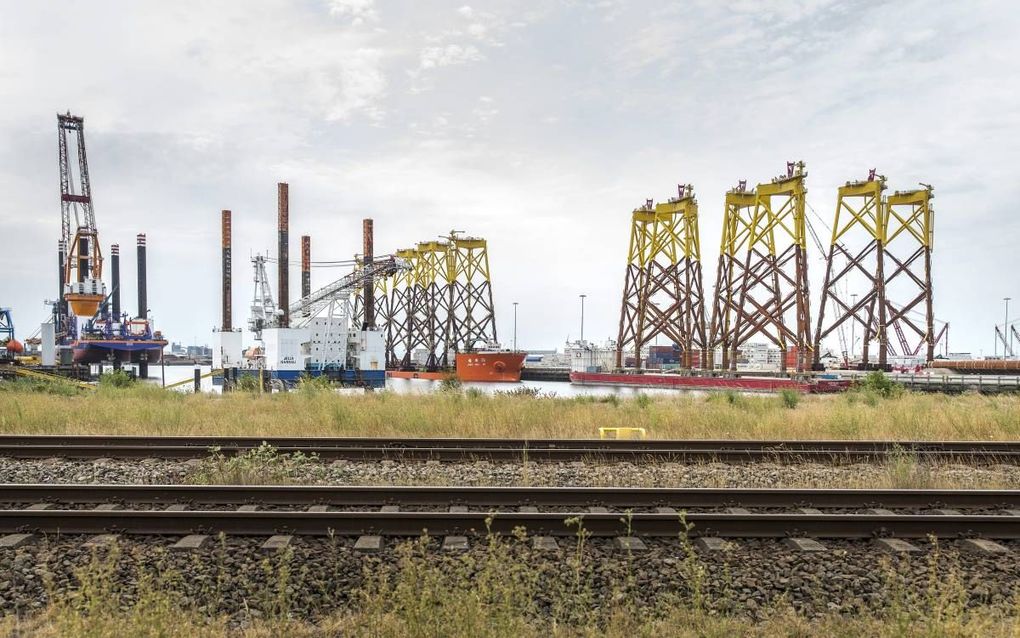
<point>662,291</point>
<point>773,291</point>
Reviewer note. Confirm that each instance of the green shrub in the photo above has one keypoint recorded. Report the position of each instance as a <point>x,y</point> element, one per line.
<point>789,398</point>
<point>642,400</point>
<point>877,383</point>
<point>728,397</point>
<point>308,384</point>
<point>247,383</point>
<point>116,379</point>
<point>450,383</point>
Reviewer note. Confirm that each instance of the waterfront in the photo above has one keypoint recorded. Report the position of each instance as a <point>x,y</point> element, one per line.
<point>168,375</point>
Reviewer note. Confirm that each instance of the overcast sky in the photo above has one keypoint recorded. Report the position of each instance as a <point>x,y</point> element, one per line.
<point>538,125</point>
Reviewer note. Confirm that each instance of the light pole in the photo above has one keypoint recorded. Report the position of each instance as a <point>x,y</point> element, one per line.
<point>582,317</point>
<point>1005,331</point>
<point>515,326</point>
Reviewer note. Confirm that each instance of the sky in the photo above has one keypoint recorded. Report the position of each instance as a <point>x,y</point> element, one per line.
<point>537,125</point>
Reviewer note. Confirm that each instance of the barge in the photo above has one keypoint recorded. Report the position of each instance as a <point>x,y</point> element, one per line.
<point>685,382</point>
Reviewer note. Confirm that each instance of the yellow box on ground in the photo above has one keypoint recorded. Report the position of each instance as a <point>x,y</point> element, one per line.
<point>622,433</point>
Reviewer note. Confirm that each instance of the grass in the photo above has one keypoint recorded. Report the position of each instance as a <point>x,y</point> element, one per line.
<point>861,414</point>
<point>492,592</point>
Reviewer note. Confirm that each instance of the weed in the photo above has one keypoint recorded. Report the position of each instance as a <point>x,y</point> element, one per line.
<point>247,383</point>
<point>730,398</point>
<point>877,383</point>
<point>309,385</point>
<point>263,465</point>
<point>642,400</point>
<point>117,379</point>
<point>20,385</point>
<point>450,383</point>
<point>904,471</point>
<point>523,391</point>
<point>789,398</point>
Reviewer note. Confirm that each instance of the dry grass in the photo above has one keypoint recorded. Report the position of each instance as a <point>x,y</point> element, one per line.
<point>147,410</point>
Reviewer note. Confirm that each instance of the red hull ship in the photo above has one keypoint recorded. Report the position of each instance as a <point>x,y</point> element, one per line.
<point>474,366</point>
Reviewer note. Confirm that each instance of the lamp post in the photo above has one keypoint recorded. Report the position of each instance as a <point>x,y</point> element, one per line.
<point>515,326</point>
<point>582,317</point>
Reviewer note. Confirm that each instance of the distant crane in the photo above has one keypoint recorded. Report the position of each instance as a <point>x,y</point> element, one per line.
<point>342,288</point>
<point>263,308</point>
<point>84,290</point>
<point>265,314</point>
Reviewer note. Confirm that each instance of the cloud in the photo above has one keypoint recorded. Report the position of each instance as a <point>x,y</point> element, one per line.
<point>357,10</point>
<point>579,112</point>
<point>449,55</point>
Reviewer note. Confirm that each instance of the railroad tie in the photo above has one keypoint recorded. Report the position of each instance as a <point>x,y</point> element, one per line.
<point>544,544</point>
<point>804,544</point>
<point>368,544</point>
<point>101,540</point>
<point>982,546</point>
<point>896,546</point>
<point>713,544</point>
<point>190,543</point>
<point>629,544</point>
<point>455,544</point>
<point>14,541</point>
<point>277,543</point>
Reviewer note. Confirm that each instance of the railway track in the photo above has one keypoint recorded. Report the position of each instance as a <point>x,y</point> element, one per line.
<point>454,449</point>
<point>451,511</point>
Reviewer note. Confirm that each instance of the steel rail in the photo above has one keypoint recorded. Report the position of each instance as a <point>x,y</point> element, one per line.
<point>362,448</point>
<point>630,497</point>
<point>7,440</point>
<point>261,523</point>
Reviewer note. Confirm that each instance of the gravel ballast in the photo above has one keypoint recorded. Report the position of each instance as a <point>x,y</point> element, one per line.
<point>321,576</point>
<point>568,474</point>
